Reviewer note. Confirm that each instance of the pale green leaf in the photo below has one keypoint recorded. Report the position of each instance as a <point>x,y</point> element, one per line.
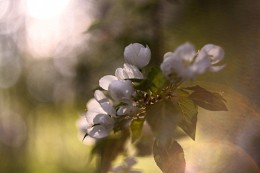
<point>136,129</point>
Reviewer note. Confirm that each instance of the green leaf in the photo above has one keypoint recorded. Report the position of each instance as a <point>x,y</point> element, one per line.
<point>156,79</point>
<point>189,112</point>
<point>208,100</point>
<point>163,118</point>
<point>136,129</point>
<point>169,156</point>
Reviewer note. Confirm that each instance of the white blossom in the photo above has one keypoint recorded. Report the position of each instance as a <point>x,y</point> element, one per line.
<point>128,72</point>
<point>98,122</point>
<point>101,124</point>
<point>121,90</point>
<point>84,126</point>
<point>187,64</point>
<point>216,54</point>
<point>138,55</point>
<point>186,51</point>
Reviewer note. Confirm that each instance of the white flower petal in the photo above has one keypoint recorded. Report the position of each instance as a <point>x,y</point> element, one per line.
<point>100,96</point>
<point>106,121</point>
<point>144,57</point>
<point>167,55</point>
<point>216,68</point>
<point>83,124</point>
<point>105,81</point>
<point>94,105</point>
<point>216,52</point>
<point>132,71</point>
<point>167,64</point>
<point>128,72</point>
<point>98,132</point>
<point>186,52</point>
<point>121,90</point>
<point>201,64</point>
<point>185,64</point>
<point>121,74</point>
<point>105,103</point>
<point>138,55</point>
<point>173,66</point>
<point>92,116</point>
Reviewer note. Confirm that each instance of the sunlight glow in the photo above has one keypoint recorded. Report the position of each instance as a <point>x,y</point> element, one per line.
<point>54,25</point>
<point>46,9</point>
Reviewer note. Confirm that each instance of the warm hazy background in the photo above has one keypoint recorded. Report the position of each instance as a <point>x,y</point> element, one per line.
<point>52,53</point>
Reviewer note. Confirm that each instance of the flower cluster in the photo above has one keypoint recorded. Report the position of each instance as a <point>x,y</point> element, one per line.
<point>115,99</point>
<point>186,63</point>
<point>137,94</point>
<point>118,96</point>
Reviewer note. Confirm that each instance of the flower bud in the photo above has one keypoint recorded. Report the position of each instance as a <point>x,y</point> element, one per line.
<point>138,55</point>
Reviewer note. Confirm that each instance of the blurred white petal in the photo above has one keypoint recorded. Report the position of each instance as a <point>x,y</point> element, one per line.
<point>83,124</point>
<point>167,55</point>
<point>201,64</point>
<point>186,52</point>
<point>216,68</point>
<point>185,63</point>
<point>216,52</point>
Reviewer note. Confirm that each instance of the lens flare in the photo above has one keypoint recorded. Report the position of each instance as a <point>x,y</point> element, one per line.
<point>51,26</point>
<point>46,9</point>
